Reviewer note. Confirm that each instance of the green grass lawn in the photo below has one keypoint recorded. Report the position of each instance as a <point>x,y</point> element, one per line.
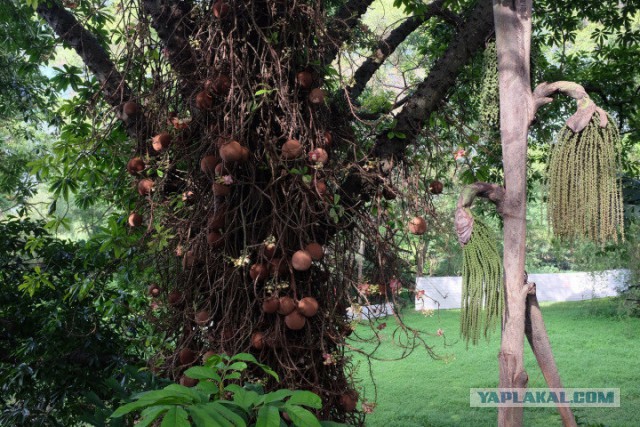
<point>593,348</point>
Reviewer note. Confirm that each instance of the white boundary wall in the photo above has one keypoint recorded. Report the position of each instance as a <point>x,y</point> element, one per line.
<point>445,292</point>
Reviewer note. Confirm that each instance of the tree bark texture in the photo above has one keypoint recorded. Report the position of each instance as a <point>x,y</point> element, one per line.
<point>513,39</point>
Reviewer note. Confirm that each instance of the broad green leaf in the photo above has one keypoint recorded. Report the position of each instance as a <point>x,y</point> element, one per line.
<point>208,387</point>
<point>204,417</point>
<point>237,366</point>
<point>245,357</point>
<point>227,413</point>
<point>202,373</point>
<point>175,417</point>
<point>306,398</point>
<point>268,416</point>
<point>301,417</point>
<point>149,415</point>
<point>277,395</point>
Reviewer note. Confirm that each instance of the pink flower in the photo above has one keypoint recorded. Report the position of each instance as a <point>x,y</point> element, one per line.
<point>459,154</point>
<point>227,179</point>
<point>420,293</point>
<point>440,332</point>
<point>368,407</point>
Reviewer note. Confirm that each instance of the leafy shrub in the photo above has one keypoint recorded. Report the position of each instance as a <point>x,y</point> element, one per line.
<point>218,400</point>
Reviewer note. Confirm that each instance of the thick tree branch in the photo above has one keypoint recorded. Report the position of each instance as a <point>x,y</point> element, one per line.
<point>470,39</point>
<point>341,26</point>
<point>541,346</point>
<point>390,43</point>
<point>71,32</point>
<point>171,20</point>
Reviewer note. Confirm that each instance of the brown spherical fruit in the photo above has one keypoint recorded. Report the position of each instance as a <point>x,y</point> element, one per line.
<point>215,240</point>
<point>316,96</point>
<point>217,221</point>
<point>154,290</point>
<point>319,186</point>
<point>174,298</point>
<point>259,272</point>
<point>161,141</point>
<point>286,305</point>
<point>186,356</point>
<point>135,166</point>
<point>203,100</point>
<point>308,306</point>
<point>208,165</point>
<point>257,340</point>
<point>202,318</point>
<point>220,9</point>
<point>305,79</point>
<point>145,186</point>
<point>135,219</point>
<point>220,170</point>
<point>417,226</point>
<point>319,155</point>
<point>188,382</point>
<point>221,85</point>
<point>349,401</point>
<point>292,149</point>
<point>270,305</point>
<point>301,260</point>
<point>221,190</point>
<point>295,321</point>
<point>328,138</point>
<point>315,250</point>
<point>244,155</point>
<point>231,152</point>
<point>436,187</point>
<point>130,108</point>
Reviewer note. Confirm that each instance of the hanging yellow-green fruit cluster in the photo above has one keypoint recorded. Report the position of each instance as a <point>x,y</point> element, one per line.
<point>481,284</point>
<point>489,96</point>
<point>585,198</point>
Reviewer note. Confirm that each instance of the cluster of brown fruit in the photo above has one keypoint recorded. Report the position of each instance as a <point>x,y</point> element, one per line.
<point>295,314</point>
<point>418,225</point>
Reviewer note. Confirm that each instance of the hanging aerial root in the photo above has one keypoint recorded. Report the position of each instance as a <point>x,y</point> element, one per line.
<point>585,197</point>
<point>481,284</point>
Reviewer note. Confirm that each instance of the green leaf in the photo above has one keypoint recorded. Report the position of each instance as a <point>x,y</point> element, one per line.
<point>306,398</point>
<point>237,366</point>
<point>227,413</point>
<point>175,417</point>
<point>268,416</point>
<point>278,395</point>
<point>202,373</point>
<point>149,415</point>
<point>207,418</point>
<point>130,407</point>
<point>301,417</point>
<point>208,387</point>
<point>245,357</point>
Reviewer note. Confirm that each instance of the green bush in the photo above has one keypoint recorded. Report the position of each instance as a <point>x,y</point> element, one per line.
<point>218,400</point>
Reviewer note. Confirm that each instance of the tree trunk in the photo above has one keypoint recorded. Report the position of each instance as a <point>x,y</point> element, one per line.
<point>513,39</point>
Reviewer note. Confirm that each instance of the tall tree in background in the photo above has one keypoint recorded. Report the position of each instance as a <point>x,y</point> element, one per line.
<point>249,181</point>
<point>247,176</point>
